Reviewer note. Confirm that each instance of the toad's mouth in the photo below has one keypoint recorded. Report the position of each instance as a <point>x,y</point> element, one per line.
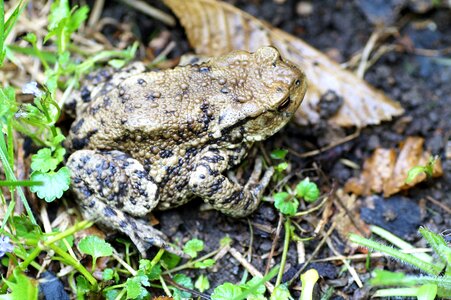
<point>284,105</point>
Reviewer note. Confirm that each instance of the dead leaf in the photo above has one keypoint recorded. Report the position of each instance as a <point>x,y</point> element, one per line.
<point>385,171</point>
<point>214,28</point>
<point>347,216</point>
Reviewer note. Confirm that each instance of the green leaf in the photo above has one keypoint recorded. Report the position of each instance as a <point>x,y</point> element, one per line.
<point>169,260</point>
<point>427,292</point>
<point>225,241</point>
<point>117,63</point>
<point>95,246</point>
<point>226,291</point>
<point>286,203</point>
<point>185,281</point>
<point>152,272</point>
<point>43,161</point>
<point>202,284</point>
<point>205,263</point>
<point>281,167</point>
<point>23,287</point>
<point>58,12</point>
<point>54,184</point>
<point>193,246</point>
<point>77,18</point>
<point>135,287</point>
<point>7,101</point>
<point>413,173</point>
<point>279,154</point>
<point>69,239</point>
<point>280,293</point>
<point>439,245</point>
<point>83,286</point>
<point>307,190</point>
<point>258,290</point>
<point>107,274</point>
<point>111,294</point>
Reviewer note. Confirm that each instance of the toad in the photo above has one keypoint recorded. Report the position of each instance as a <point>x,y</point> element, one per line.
<point>155,140</point>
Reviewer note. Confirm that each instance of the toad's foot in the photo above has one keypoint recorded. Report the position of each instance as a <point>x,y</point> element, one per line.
<point>220,192</point>
<point>113,189</point>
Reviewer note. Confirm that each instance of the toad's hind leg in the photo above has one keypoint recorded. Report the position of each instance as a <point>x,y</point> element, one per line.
<point>112,189</point>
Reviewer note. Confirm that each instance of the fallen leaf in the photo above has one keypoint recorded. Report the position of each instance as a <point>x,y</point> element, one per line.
<point>214,28</point>
<point>347,218</point>
<point>386,171</point>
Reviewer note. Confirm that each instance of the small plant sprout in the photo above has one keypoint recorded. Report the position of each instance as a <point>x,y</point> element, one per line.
<point>96,247</point>
<point>437,282</point>
<point>280,154</point>
<point>253,289</point>
<point>427,169</point>
<point>192,247</point>
<point>308,279</point>
<point>287,203</point>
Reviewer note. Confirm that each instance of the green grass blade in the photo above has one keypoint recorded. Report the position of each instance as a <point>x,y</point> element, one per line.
<point>400,243</point>
<point>438,244</point>
<point>10,176</point>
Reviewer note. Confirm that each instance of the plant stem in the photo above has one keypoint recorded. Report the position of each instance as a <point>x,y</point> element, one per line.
<point>75,263</point>
<point>407,258</point>
<point>77,227</point>
<point>30,257</point>
<point>286,244</point>
<point>190,264</point>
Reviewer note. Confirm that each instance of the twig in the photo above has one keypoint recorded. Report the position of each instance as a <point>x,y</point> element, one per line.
<point>96,12</point>
<point>366,53</point>
<point>182,288</point>
<point>274,243</point>
<point>439,204</point>
<point>301,252</point>
<point>371,255</point>
<point>124,264</point>
<point>315,208</point>
<point>351,269</point>
<point>150,11</point>
<point>318,151</point>
<point>250,268</point>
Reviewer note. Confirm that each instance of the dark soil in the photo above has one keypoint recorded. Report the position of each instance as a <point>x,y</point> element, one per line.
<point>422,83</point>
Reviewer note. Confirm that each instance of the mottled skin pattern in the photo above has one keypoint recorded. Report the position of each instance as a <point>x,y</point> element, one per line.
<point>145,140</point>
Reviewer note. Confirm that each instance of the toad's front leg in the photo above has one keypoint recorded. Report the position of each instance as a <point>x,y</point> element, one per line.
<point>112,188</point>
<point>220,192</point>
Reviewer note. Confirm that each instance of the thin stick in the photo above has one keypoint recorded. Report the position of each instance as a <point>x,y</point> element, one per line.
<point>351,269</point>
<point>274,243</point>
<point>150,11</point>
<point>318,151</point>
<point>371,255</point>
<point>96,12</point>
<point>439,204</point>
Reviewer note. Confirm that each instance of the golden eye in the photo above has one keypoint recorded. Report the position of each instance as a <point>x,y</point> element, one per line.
<point>284,105</point>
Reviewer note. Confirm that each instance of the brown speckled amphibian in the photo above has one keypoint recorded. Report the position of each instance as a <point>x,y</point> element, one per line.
<point>145,140</point>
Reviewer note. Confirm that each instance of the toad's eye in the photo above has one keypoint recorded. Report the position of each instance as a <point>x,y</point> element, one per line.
<point>284,105</point>
<point>297,82</point>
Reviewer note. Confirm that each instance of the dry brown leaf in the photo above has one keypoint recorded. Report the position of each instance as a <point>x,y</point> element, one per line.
<point>385,172</point>
<point>214,28</point>
<point>347,217</point>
